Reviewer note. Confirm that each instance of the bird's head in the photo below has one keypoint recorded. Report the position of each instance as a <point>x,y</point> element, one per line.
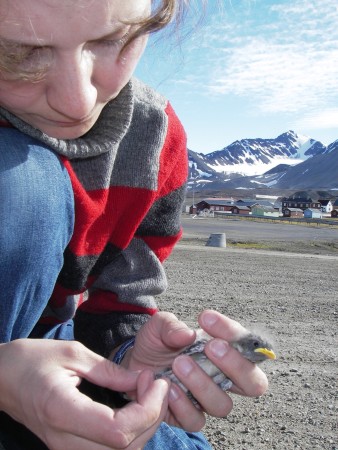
<point>254,348</point>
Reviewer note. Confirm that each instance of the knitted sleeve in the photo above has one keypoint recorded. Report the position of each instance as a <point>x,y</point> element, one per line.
<point>122,298</point>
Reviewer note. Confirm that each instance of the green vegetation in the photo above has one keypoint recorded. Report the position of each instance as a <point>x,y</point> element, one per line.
<point>293,247</point>
<point>253,245</point>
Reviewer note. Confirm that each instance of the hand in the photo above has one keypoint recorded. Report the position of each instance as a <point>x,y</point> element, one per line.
<point>160,341</point>
<point>248,379</point>
<point>38,387</point>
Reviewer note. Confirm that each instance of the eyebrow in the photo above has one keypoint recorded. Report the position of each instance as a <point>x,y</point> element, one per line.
<point>13,44</point>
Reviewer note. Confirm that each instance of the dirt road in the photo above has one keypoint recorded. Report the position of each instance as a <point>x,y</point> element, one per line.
<point>295,299</point>
<point>248,228</point>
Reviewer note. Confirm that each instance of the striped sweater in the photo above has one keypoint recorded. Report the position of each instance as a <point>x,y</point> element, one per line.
<point>128,175</point>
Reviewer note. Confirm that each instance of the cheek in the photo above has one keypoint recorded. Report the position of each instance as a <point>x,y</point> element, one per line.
<point>19,94</point>
<point>109,79</point>
<point>130,56</point>
<point>113,74</point>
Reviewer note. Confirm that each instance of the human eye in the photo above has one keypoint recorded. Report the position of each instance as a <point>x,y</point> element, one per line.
<point>116,42</point>
<point>36,59</point>
<point>24,62</point>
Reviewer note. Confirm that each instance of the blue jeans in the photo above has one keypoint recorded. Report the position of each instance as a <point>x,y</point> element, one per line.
<point>36,224</point>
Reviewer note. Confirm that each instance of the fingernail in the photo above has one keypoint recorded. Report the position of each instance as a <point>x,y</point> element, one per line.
<point>184,365</point>
<point>208,319</point>
<point>218,348</point>
<point>173,393</point>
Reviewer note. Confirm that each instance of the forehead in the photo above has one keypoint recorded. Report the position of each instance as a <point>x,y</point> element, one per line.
<point>45,21</point>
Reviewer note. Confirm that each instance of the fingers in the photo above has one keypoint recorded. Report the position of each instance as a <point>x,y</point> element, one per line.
<point>184,413</point>
<point>159,341</point>
<point>152,406</point>
<point>212,399</point>
<point>140,420</point>
<point>99,370</point>
<point>247,377</point>
<point>218,325</point>
<point>174,333</point>
<point>103,426</point>
<point>54,409</point>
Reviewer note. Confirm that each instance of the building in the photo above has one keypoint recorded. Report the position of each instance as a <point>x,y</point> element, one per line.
<point>326,206</point>
<point>293,212</point>
<point>313,213</point>
<point>228,205</point>
<point>252,203</point>
<point>335,205</point>
<point>264,211</point>
<point>334,212</point>
<point>214,204</point>
<point>242,210</point>
<point>301,200</point>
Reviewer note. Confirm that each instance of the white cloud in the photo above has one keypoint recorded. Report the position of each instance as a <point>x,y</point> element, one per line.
<point>281,56</point>
<point>319,120</point>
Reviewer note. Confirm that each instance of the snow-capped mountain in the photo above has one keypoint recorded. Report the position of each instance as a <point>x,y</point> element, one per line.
<point>320,171</point>
<point>263,162</point>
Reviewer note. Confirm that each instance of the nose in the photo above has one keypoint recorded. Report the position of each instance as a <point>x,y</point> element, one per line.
<point>70,88</point>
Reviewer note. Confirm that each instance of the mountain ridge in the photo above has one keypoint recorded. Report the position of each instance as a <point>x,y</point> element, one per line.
<point>289,161</point>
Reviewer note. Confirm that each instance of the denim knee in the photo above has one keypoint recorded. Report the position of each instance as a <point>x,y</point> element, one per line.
<point>36,223</point>
<point>176,439</point>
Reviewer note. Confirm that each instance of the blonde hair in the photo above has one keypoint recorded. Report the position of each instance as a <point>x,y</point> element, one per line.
<point>165,12</point>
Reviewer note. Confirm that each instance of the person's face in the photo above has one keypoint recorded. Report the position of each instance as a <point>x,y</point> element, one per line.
<point>79,43</point>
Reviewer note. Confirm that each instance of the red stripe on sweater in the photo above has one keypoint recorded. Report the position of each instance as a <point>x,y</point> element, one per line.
<point>100,214</point>
<point>60,295</point>
<point>162,246</point>
<point>173,168</point>
<point>101,302</point>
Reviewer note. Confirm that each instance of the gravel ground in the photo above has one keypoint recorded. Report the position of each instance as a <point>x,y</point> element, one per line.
<point>291,295</point>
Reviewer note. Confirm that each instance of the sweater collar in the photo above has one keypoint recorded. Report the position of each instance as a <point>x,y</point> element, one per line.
<point>104,136</point>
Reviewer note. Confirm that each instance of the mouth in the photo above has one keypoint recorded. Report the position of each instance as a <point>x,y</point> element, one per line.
<point>64,123</point>
<point>270,354</point>
<point>68,124</point>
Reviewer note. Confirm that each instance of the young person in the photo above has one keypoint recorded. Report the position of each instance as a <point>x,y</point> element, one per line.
<point>93,166</point>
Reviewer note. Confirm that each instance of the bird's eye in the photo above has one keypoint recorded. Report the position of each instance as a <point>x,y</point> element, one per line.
<point>256,344</point>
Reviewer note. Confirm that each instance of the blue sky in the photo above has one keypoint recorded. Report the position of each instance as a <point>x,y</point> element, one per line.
<point>253,68</point>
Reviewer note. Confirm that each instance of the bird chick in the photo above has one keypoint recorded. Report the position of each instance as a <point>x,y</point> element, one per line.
<point>254,348</point>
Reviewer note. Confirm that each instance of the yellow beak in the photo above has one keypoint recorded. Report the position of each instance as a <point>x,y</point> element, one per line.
<point>268,353</point>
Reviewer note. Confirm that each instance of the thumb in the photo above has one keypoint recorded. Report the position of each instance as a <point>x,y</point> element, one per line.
<point>150,389</point>
<point>105,373</point>
<point>173,332</point>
